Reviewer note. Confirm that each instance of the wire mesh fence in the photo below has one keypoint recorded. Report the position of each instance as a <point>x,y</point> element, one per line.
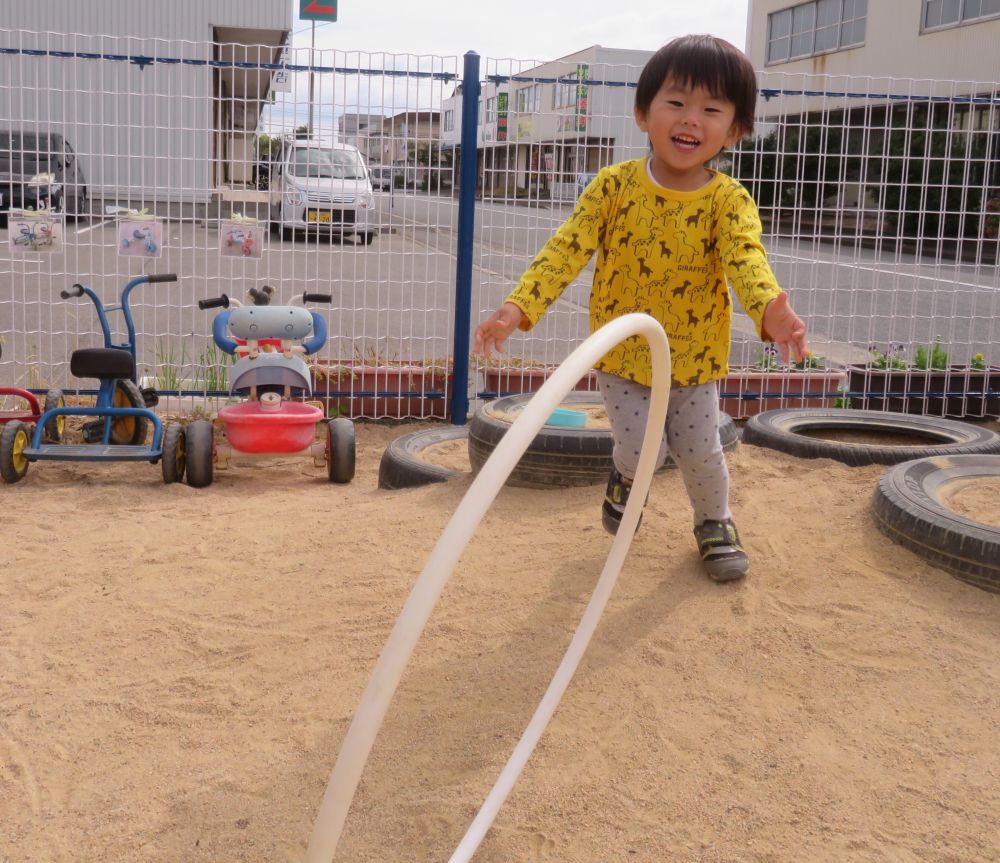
<point>336,172</point>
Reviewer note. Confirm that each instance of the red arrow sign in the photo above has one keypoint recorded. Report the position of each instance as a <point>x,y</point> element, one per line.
<point>317,10</point>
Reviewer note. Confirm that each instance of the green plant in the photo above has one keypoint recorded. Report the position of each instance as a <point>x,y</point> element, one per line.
<point>213,369</point>
<point>36,380</point>
<point>169,365</point>
<point>842,401</point>
<point>931,357</point>
<point>978,361</point>
<point>767,358</point>
<point>933,181</point>
<point>810,361</point>
<point>890,358</point>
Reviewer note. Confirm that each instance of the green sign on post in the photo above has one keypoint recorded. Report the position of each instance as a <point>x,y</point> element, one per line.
<point>501,116</point>
<point>582,71</point>
<point>318,10</point>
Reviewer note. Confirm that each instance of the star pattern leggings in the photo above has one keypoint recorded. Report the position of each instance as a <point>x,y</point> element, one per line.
<point>691,433</point>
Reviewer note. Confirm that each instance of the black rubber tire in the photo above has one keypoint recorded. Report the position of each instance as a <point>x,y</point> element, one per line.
<point>341,456</point>
<point>558,456</point>
<point>367,238</point>
<point>907,507</point>
<point>780,430</point>
<point>199,453</point>
<point>14,437</point>
<point>129,431</point>
<point>79,208</point>
<point>55,427</point>
<point>174,458</point>
<point>401,466</point>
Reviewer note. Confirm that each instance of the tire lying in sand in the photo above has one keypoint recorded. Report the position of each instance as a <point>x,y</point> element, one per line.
<point>786,430</point>
<point>910,506</point>
<point>401,465</point>
<point>559,456</point>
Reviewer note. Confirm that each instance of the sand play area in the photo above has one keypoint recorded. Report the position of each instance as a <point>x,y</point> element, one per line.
<point>178,668</point>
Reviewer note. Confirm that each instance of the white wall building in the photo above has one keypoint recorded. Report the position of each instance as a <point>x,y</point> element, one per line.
<point>946,47</point>
<point>546,125</point>
<point>148,100</point>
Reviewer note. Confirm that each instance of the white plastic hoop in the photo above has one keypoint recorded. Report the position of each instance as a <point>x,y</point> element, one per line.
<point>360,737</point>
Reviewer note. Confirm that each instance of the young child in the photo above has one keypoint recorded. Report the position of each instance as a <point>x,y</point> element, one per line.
<point>668,233</point>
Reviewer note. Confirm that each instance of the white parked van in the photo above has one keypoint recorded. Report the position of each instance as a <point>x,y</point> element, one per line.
<point>324,188</point>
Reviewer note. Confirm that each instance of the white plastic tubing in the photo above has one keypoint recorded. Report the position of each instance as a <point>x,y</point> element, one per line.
<point>423,597</point>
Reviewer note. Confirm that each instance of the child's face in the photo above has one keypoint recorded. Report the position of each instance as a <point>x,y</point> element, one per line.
<point>687,127</point>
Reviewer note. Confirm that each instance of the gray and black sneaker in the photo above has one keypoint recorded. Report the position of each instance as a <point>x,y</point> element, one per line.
<point>722,555</point>
<point>615,499</point>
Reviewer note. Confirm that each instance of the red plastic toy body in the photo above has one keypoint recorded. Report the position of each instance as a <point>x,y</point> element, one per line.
<point>251,427</point>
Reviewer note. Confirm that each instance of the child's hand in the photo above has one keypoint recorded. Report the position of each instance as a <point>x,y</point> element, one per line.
<point>493,332</point>
<point>785,327</point>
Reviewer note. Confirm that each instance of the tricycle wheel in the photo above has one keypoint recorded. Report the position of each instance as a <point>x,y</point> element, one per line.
<point>174,457</point>
<point>199,453</point>
<point>128,431</point>
<point>340,451</point>
<point>13,442</point>
<point>55,427</point>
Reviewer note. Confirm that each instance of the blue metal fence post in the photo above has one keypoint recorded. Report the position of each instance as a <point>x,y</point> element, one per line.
<point>469,155</point>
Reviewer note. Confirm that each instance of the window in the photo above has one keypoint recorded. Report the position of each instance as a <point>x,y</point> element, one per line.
<point>449,120</point>
<point>565,95</point>
<point>339,164</point>
<point>528,99</point>
<point>945,13</point>
<point>491,109</point>
<point>816,28</point>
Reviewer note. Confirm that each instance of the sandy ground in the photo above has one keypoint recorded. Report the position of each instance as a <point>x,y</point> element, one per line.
<point>179,666</point>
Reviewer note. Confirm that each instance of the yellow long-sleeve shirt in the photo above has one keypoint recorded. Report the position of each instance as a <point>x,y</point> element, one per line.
<point>662,252</point>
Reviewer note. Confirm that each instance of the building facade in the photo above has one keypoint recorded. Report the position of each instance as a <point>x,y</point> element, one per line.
<point>542,129</point>
<point>939,40</point>
<point>160,100</point>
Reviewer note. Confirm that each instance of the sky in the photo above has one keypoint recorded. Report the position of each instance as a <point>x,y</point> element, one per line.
<point>414,34</point>
<point>521,29</point>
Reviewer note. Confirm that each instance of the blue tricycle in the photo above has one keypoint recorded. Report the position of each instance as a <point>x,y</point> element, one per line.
<point>122,411</point>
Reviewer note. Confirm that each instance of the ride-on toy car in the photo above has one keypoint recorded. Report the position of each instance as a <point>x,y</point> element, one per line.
<point>122,410</point>
<point>271,375</point>
<point>30,412</point>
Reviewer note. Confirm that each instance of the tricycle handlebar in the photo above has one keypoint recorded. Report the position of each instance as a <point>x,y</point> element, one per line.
<point>162,277</point>
<point>317,298</point>
<point>215,303</point>
<point>75,291</point>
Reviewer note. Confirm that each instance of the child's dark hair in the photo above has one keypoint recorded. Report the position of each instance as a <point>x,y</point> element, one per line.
<point>702,61</point>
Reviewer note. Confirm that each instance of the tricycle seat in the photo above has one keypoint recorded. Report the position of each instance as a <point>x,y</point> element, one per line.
<point>101,363</point>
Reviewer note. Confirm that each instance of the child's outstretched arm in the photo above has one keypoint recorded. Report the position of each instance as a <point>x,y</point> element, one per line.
<point>493,332</point>
<point>785,328</point>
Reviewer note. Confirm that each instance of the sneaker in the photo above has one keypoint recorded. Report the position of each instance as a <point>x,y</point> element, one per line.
<point>721,553</point>
<point>615,499</point>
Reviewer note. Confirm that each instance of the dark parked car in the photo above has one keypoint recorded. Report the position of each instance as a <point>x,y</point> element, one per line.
<point>40,169</point>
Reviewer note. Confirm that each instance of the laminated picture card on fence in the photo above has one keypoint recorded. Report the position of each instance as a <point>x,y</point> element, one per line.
<point>140,236</point>
<point>34,231</point>
<point>241,238</point>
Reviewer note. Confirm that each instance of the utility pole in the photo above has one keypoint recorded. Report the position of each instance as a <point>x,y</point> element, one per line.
<point>312,63</point>
<point>315,10</point>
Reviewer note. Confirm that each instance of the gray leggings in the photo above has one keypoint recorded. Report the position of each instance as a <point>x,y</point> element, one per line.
<point>691,433</point>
